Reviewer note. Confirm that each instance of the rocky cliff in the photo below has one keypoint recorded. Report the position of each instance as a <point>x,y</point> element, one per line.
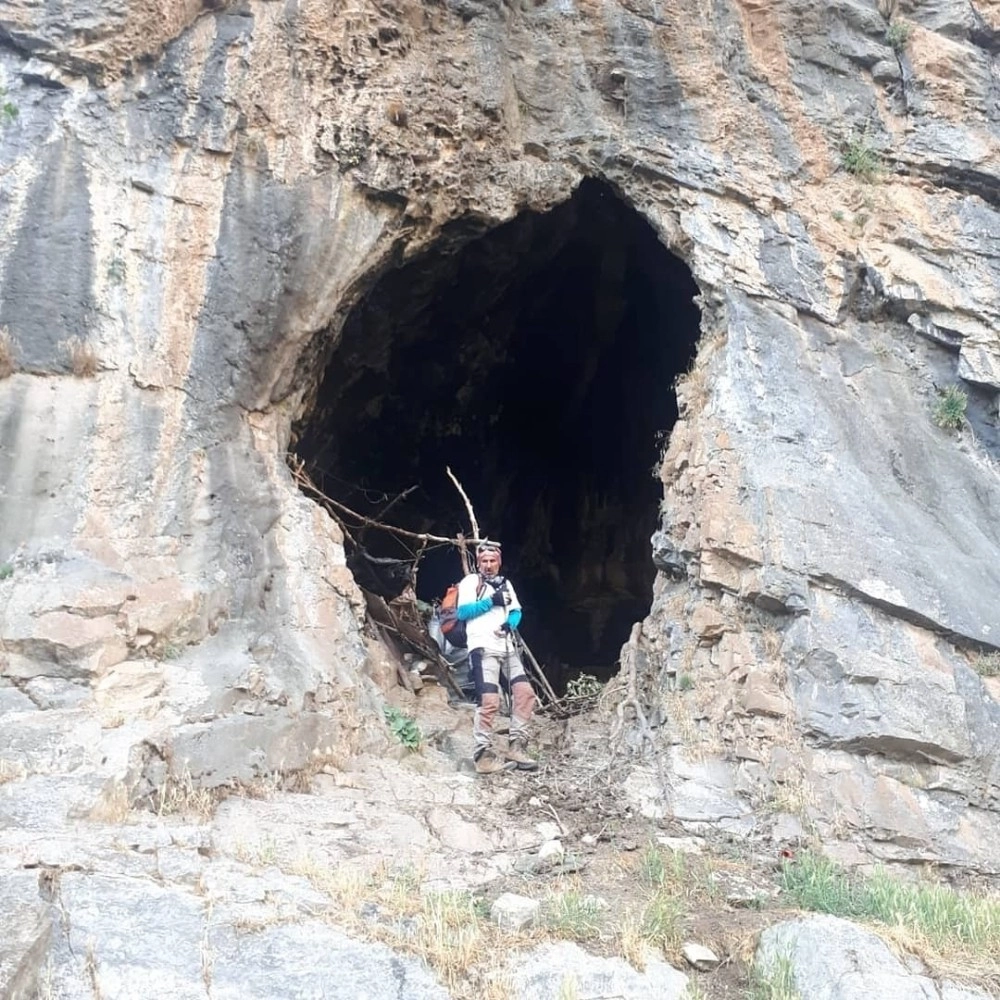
<point>194,201</point>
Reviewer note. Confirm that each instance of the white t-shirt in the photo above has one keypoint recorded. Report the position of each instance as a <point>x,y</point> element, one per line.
<point>481,630</point>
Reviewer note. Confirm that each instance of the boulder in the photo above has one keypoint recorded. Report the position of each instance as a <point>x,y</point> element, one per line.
<point>565,969</point>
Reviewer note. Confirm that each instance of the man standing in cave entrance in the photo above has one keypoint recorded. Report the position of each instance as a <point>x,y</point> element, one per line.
<point>489,606</point>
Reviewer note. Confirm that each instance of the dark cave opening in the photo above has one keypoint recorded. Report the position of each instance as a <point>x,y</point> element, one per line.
<point>537,360</point>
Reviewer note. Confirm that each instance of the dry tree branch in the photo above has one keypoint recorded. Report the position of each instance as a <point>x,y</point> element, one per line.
<point>468,505</point>
<point>303,481</point>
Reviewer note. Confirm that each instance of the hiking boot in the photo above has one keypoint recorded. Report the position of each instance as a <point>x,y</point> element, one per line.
<point>517,754</point>
<point>489,763</point>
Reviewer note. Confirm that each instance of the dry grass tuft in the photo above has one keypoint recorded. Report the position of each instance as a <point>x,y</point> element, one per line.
<point>259,854</point>
<point>179,795</point>
<point>11,770</point>
<point>397,114</point>
<point>8,354</point>
<point>82,357</point>
<point>114,804</point>
<point>451,931</point>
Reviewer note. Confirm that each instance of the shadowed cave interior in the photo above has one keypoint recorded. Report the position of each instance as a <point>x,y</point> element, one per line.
<point>537,360</point>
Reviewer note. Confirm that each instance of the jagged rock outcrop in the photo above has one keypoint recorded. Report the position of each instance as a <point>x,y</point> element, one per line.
<point>194,200</point>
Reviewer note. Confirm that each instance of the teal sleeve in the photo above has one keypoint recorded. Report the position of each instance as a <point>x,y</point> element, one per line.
<point>466,611</point>
<point>514,617</point>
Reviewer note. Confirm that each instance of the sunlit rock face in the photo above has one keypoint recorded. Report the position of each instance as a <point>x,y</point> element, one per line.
<point>201,205</point>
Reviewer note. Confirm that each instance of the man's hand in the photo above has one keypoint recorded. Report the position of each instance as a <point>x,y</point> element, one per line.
<point>500,598</point>
<point>504,629</point>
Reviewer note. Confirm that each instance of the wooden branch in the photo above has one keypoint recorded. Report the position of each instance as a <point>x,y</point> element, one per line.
<point>468,505</point>
<point>301,477</point>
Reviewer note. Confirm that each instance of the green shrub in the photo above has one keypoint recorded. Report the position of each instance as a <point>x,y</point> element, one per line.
<point>986,664</point>
<point>861,159</point>
<point>584,686</point>
<point>403,728</point>
<point>897,35</point>
<point>949,410</point>
<point>6,570</point>
<point>8,111</point>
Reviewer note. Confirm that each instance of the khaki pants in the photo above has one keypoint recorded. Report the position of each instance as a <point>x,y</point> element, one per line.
<point>487,667</point>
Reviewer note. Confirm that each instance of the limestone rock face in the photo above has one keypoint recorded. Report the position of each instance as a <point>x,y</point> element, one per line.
<point>193,199</point>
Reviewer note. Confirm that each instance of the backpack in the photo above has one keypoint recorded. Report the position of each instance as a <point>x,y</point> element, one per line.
<point>451,625</point>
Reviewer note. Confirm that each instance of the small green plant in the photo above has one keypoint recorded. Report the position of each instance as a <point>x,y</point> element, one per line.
<point>959,924</point>
<point>573,916</point>
<point>838,215</point>
<point>861,159</point>
<point>584,686</point>
<point>8,110</point>
<point>116,270</point>
<point>6,571</point>
<point>693,992</point>
<point>663,920</point>
<point>777,982</point>
<point>405,729</point>
<point>949,410</point>
<point>817,884</point>
<point>685,682</point>
<point>897,35</point>
<point>986,664</point>
<point>653,867</point>
<point>569,989</point>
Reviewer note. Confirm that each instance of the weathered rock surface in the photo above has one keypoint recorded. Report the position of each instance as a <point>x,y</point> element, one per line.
<point>833,959</point>
<point>559,969</point>
<point>193,200</point>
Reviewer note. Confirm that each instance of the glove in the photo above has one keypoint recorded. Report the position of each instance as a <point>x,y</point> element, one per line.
<point>505,628</point>
<point>499,599</point>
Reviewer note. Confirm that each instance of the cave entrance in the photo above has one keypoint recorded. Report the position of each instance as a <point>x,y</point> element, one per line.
<point>538,361</point>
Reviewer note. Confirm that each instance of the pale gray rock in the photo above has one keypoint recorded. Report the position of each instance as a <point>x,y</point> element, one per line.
<point>787,829</point>
<point>551,852</point>
<point>138,938</point>
<point>882,697</point>
<point>513,912</point>
<point>699,957</point>
<point>704,792</point>
<point>45,804</point>
<point>554,970</point>
<point>459,834</point>
<point>50,741</point>
<point>13,700</point>
<point>682,845</point>
<point>834,959</point>
<point>312,959</point>
<point>54,692</point>
<point>27,934</point>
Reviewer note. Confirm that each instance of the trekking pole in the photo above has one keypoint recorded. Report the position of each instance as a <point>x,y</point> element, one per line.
<point>543,680</point>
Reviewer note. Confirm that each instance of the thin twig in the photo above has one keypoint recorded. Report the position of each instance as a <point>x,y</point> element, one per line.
<point>395,500</point>
<point>555,816</point>
<point>302,479</point>
<point>543,680</point>
<point>468,505</point>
